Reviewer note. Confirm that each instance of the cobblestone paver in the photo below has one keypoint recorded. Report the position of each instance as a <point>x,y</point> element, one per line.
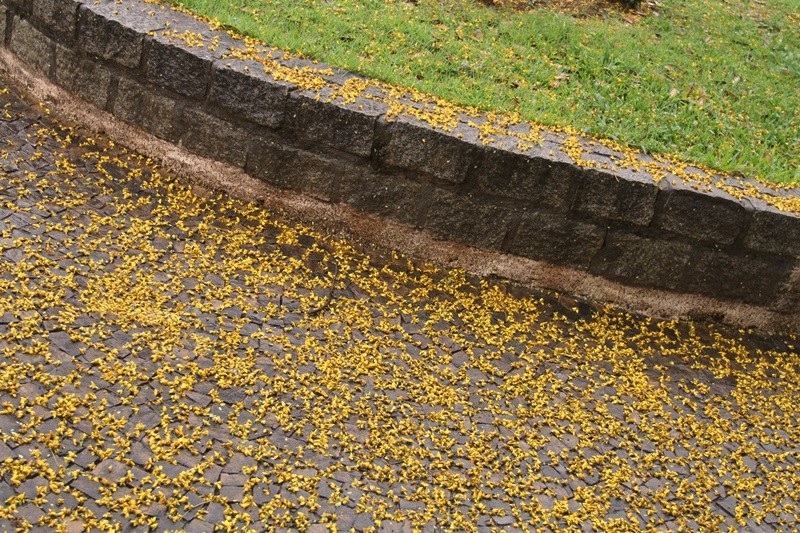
<point>176,360</point>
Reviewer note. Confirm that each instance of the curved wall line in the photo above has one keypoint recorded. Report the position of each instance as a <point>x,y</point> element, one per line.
<point>326,133</point>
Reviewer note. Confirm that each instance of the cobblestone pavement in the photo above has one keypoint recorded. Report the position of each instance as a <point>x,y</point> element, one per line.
<point>181,361</point>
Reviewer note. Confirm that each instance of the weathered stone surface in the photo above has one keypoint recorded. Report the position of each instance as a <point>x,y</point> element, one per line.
<point>416,146</point>
<point>790,301</point>
<point>389,195</point>
<point>31,46</point>
<point>467,219</point>
<point>114,32</point>
<point>642,261</point>
<point>212,137</point>
<point>608,196</point>
<point>242,87</point>
<point>83,78</point>
<point>3,16</point>
<point>348,127</point>
<point>182,71</point>
<point>775,232</point>
<point>557,239</point>
<point>702,216</point>
<point>21,6</point>
<point>747,278</point>
<point>533,180</point>
<point>298,170</point>
<point>154,113</point>
<point>60,16</point>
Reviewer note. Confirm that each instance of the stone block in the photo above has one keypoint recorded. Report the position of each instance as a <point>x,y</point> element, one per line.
<point>154,113</point>
<point>169,65</point>
<point>390,195</point>
<point>642,261</point>
<point>747,278</point>
<point>615,198</point>
<point>3,16</point>
<point>792,299</point>
<point>180,57</point>
<point>215,138</point>
<point>789,303</point>
<point>298,170</point>
<point>31,46</point>
<point>534,180</point>
<point>243,88</point>
<point>467,219</point>
<point>20,6</point>
<point>775,232</point>
<point>313,119</point>
<point>418,147</point>
<point>704,216</point>
<point>114,32</point>
<point>557,239</point>
<point>60,16</point>
<point>81,77</point>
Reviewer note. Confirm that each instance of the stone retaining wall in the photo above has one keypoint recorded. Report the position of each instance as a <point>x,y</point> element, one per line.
<point>146,65</point>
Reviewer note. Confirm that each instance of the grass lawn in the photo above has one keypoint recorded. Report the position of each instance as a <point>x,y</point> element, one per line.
<point>716,82</point>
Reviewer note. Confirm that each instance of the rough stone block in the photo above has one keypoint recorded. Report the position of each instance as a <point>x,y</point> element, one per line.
<point>59,16</point>
<point>790,302</point>
<point>313,119</point>
<point>20,6</point>
<point>3,16</point>
<point>416,146</point>
<point>243,88</point>
<point>154,113</point>
<point>533,180</point>
<point>31,46</point>
<point>467,219</point>
<point>81,77</point>
<point>700,215</point>
<point>607,196</point>
<point>746,278</point>
<point>297,170</point>
<point>388,195</point>
<point>557,239</point>
<point>775,232</point>
<point>182,71</point>
<point>114,31</point>
<point>213,137</point>
<point>642,261</point>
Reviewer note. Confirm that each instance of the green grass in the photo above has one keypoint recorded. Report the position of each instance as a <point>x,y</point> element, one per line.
<point>716,82</point>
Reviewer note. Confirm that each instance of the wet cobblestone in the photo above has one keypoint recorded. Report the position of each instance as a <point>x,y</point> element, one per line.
<point>172,359</point>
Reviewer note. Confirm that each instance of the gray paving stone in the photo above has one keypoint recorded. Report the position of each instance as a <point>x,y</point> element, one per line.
<point>88,487</point>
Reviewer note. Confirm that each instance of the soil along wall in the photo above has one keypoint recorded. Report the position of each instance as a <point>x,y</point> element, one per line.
<point>631,223</point>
